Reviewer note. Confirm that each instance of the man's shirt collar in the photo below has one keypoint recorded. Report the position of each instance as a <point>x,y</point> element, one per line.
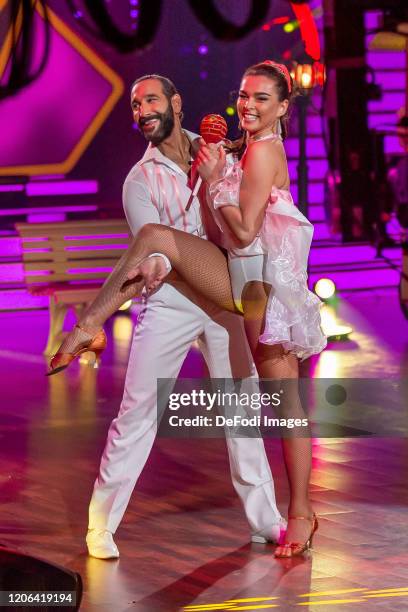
<point>153,153</point>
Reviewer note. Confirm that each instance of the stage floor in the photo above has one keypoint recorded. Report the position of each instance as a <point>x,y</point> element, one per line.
<point>184,541</point>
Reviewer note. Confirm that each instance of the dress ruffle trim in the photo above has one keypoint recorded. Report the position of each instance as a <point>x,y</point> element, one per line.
<point>225,191</point>
<point>292,315</point>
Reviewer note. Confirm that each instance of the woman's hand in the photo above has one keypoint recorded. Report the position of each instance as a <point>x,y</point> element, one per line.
<point>210,161</point>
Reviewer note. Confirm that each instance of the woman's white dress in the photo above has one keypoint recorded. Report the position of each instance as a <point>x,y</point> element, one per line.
<point>278,256</point>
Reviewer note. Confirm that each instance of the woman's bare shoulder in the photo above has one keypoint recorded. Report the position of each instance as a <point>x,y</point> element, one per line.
<point>265,152</point>
<point>269,147</point>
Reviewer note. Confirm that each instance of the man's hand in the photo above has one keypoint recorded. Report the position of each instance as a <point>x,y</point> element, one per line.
<point>153,270</point>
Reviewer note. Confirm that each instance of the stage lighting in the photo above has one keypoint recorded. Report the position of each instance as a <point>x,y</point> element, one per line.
<point>331,327</point>
<point>230,110</point>
<point>307,75</point>
<point>126,305</point>
<point>306,80</point>
<point>340,332</point>
<point>290,27</point>
<point>325,289</point>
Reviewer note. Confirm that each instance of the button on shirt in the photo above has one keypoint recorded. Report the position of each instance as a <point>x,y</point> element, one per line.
<point>156,190</point>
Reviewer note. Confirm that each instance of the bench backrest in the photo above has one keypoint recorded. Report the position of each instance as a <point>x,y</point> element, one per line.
<point>73,250</point>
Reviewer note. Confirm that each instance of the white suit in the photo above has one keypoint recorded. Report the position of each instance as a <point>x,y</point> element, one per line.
<point>156,191</point>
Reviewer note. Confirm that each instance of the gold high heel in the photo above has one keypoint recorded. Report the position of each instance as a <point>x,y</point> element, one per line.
<point>96,344</point>
<point>295,549</point>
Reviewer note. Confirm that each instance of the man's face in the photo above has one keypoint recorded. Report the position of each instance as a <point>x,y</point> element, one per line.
<point>152,111</point>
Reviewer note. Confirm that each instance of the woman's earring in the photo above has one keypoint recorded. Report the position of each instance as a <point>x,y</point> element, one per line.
<point>279,128</point>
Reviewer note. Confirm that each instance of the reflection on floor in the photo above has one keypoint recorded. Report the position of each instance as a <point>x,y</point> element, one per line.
<point>184,541</point>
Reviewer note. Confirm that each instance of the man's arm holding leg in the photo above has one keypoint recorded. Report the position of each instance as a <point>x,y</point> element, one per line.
<point>139,210</point>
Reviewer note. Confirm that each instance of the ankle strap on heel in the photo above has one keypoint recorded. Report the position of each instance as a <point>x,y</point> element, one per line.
<point>87,331</point>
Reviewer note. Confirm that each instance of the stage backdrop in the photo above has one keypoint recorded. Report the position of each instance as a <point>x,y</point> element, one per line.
<point>74,123</point>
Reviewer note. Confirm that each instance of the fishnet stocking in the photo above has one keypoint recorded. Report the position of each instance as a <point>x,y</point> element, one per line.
<point>199,262</point>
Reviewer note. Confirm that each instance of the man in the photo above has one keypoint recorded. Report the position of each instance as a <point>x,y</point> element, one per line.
<point>157,190</point>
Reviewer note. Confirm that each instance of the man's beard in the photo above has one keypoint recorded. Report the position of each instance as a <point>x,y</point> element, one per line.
<point>164,128</point>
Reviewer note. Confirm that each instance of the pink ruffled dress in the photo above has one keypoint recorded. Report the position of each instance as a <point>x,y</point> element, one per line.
<point>278,256</point>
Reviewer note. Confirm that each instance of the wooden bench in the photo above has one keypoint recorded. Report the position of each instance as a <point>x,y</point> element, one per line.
<point>69,262</point>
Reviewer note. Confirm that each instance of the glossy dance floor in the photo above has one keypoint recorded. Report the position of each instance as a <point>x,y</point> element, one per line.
<point>184,541</point>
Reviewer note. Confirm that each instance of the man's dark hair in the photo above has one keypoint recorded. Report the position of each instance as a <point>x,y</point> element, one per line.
<point>169,89</point>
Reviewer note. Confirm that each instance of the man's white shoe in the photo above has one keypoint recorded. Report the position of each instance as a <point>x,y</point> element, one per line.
<point>274,533</point>
<point>101,544</point>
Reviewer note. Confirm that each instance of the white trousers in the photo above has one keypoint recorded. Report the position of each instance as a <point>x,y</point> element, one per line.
<point>163,336</point>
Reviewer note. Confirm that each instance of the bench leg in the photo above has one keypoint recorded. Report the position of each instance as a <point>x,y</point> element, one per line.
<point>55,334</point>
<point>79,309</point>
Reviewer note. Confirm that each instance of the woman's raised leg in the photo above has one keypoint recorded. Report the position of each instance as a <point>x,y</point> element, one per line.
<point>199,262</point>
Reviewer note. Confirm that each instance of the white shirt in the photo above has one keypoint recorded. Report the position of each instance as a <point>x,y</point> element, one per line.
<point>156,190</point>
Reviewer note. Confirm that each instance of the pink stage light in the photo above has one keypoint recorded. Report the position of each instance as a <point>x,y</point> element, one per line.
<point>8,188</point>
<point>6,212</point>
<point>37,251</point>
<point>98,237</point>
<point>50,138</point>
<point>47,218</point>
<point>96,247</point>
<point>61,188</point>
<point>38,273</point>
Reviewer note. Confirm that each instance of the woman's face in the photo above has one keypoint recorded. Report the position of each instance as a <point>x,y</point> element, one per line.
<point>258,105</point>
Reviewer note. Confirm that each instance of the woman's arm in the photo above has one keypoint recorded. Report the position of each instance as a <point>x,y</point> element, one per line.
<point>262,164</point>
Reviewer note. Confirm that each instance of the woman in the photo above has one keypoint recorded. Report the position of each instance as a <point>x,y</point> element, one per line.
<point>270,242</point>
